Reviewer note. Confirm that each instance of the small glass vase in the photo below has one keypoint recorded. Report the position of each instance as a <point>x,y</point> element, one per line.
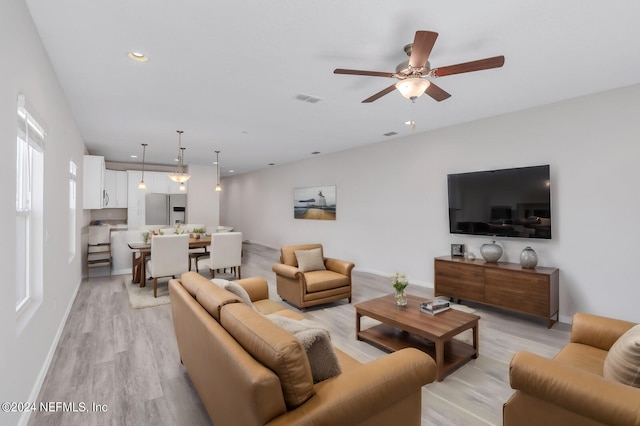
<point>401,298</point>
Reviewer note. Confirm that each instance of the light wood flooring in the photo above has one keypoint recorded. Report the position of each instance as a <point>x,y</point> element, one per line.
<point>127,359</point>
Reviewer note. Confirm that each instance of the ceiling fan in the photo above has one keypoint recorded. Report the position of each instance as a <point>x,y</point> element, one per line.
<point>410,74</point>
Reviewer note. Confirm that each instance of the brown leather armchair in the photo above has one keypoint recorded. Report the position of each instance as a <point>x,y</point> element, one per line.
<point>570,388</point>
<point>304,289</point>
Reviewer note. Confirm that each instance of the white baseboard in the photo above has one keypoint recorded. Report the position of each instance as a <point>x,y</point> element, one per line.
<point>35,391</point>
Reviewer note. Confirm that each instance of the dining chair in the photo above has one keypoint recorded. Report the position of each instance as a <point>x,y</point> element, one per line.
<point>169,257</point>
<point>225,252</point>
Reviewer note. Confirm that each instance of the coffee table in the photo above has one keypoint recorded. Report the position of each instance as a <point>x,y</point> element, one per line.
<point>407,326</point>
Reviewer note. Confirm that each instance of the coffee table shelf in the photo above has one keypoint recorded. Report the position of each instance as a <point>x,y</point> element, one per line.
<point>408,327</point>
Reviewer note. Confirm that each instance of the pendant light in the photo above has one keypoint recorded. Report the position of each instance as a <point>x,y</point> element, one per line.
<point>143,185</point>
<point>179,175</point>
<point>218,187</point>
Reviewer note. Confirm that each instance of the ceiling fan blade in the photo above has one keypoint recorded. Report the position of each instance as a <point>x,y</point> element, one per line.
<point>436,92</point>
<point>482,64</point>
<point>422,45</point>
<point>380,94</point>
<point>358,72</point>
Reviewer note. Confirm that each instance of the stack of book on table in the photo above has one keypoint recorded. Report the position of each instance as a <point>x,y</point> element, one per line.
<point>434,306</point>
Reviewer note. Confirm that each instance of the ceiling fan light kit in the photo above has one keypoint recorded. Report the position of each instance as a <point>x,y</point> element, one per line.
<point>411,73</point>
<point>412,87</point>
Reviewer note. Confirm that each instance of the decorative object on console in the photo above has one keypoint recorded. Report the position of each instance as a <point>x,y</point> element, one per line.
<point>491,252</point>
<point>528,258</point>
<point>179,175</point>
<point>400,284</point>
<point>457,250</point>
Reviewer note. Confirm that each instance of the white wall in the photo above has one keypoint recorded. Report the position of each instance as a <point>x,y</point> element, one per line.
<point>25,68</point>
<point>202,199</point>
<point>392,198</point>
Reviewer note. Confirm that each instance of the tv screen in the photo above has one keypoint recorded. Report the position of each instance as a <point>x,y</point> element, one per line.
<point>503,203</point>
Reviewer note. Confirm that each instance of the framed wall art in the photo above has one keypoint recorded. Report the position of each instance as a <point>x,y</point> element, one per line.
<point>315,202</point>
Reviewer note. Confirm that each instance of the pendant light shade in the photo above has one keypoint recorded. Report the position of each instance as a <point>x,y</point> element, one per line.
<point>218,187</point>
<point>179,175</point>
<point>143,185</point>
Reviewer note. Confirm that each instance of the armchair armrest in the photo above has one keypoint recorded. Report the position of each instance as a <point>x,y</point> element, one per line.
<point>357,394</point>
<point>257,288</point>
<point>286,270</point>
<point>596,331</point>
<point>575,390</point>
<point>340,266</point>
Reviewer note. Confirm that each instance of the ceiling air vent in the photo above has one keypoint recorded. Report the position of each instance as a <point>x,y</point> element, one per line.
<point>390,134</point>
<point>307,98</point>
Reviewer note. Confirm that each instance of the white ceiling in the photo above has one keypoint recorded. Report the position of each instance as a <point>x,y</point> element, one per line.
<point>227,73</point>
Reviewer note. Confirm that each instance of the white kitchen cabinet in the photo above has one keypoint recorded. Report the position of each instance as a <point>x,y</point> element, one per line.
<point>135,198</point>
<point>115,189</point>
<point>93,191</point>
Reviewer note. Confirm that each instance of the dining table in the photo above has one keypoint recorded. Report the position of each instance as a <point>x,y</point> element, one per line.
<point>140,250</point>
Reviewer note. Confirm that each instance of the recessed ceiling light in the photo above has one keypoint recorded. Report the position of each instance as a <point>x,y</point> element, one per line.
<point>133,156</point>
<point>137,56</point>
<point>231,171</point>
<point>271,164</point>
<point>409,122</point>
<point>315,152</point>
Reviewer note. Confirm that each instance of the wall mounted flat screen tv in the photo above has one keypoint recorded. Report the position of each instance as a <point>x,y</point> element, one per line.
<point>503,203</point>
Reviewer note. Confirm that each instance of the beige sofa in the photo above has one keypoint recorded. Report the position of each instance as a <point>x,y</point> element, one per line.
<point>249,371</point>
<point>570,388</point>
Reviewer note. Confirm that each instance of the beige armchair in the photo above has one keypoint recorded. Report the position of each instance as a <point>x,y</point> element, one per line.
<point>308,278</point>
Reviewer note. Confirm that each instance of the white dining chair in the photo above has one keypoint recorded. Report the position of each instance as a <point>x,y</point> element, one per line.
<point>169,257</point>
<point>225,252</point>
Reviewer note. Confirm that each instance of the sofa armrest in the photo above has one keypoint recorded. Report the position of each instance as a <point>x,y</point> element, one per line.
<point>575,390</point>
<point>257,288</point>
<point>599,332</point>
<point>286,270</point>
<point>340,266</point>
<point>359,393</point>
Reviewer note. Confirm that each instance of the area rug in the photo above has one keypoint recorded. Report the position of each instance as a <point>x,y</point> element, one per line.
<point>143,297</point>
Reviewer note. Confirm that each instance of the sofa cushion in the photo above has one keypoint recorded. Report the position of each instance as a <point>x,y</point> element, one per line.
<point>317,343</point>
<point>623,361</point>
<point>213,298</point>
<point>310,260</point>
<point>288,255</point>
<point>234,288</point>
<point>192,281</point>
<point>274,348</point>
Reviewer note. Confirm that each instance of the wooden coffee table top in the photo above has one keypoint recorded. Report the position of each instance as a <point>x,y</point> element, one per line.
<point>410,318</point>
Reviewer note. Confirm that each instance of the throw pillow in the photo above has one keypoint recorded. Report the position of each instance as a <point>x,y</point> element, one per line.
<point>310,260</point>
<point>622,363</point>
<point>234,288</point>
<point>316,342</point>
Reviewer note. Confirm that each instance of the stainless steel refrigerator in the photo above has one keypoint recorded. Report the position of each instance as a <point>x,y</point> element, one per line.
<point>165,209</point>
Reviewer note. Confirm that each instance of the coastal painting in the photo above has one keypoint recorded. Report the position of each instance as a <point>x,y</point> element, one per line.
<point>316,202</point>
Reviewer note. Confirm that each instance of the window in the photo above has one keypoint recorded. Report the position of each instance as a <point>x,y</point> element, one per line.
<point>29,205</point>
<point>73,169</point>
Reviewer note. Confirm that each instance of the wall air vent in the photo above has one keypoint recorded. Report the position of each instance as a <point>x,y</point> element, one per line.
<point>307,98</point>
<point>390,134</point>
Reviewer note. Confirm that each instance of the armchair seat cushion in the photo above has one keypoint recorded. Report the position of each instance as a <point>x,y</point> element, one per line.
<point>325,280</point>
